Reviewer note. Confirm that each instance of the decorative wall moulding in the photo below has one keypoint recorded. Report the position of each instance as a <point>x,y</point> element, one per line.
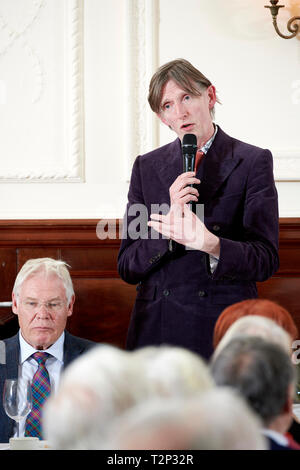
<point>287,165</point>
<point>49,46</point>
<point>141,23</point>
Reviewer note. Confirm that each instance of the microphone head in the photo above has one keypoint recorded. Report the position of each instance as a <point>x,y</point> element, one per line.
<point>189,143</point>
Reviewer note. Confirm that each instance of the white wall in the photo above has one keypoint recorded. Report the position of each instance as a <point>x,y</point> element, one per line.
<point>73,88</point>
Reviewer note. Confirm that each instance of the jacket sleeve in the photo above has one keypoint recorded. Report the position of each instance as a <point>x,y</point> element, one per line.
<point>255,256</point>
<point>142,249</point>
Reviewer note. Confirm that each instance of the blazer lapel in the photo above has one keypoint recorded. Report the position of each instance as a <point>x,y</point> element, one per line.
<point>72,349</point>
<point>9,370</point>
<point>12,357</point>
<point>169,165</point>
<point>218,164</point>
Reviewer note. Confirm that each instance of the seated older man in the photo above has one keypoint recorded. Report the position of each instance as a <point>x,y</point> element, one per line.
<point>43,299</point>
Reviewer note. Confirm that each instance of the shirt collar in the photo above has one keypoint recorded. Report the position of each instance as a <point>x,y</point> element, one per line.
<point>56,350</point>
<point>208,144</point>
<point>276,436</point>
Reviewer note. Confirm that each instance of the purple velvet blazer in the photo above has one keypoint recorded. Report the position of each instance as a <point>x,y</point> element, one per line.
<point>178,298</point>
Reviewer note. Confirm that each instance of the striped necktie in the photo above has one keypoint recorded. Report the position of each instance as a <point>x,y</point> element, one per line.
<point>40,387</point>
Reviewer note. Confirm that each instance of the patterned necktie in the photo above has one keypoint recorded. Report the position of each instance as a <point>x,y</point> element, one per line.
<point>199,156</point>
<point>40,387</point>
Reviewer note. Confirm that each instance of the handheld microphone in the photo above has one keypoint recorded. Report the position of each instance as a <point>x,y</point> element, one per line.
<point>189,150</point>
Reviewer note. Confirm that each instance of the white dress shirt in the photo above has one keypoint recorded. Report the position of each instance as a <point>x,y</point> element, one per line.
<point>28,367</point>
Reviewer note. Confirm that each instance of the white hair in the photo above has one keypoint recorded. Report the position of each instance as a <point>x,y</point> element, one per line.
<point>48,266</point>
<point>218,419</point>
<point>256,325</point>
<point>173,371</point>
<point>94,389</point>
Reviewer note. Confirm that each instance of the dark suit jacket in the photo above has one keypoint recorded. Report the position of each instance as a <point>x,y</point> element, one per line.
<point>178,298</point>
<point>73,347</point>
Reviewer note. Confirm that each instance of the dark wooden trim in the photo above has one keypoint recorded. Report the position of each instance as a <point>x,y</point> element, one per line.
<point>83,231</point>
<point>103,301</point>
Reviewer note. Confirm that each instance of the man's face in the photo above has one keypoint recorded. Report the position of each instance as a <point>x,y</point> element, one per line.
<point>42,309</point>
<point>186,113</point>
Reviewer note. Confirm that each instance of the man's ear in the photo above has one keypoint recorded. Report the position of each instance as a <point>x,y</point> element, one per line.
<point>14,304</point>
<point>70,305</point>
<point>212,96</point>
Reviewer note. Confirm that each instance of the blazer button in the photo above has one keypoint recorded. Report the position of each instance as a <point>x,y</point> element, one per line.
<point>201,293</point>
<point>166,292</point>
<point>216,228</point>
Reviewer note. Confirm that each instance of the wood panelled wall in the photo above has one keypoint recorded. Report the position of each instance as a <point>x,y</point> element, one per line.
<point>103,301</point>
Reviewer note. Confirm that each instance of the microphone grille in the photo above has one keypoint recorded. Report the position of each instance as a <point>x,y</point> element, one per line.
<point>189,142</point>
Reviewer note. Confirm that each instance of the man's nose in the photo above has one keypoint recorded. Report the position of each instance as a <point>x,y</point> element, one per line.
<point>42,311</point>
<point>180,110</point>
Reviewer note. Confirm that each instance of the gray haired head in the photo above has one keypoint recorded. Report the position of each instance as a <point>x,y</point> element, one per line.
<point>261,371</point>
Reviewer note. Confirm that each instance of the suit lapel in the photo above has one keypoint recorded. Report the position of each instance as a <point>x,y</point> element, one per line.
<point>218,164</point>
<point>12,357</point>
<point>9,370</point>
<point>71,349</point>
<point>169,165</point>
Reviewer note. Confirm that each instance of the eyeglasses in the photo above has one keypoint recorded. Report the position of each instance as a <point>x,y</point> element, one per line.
<point>32,305</point>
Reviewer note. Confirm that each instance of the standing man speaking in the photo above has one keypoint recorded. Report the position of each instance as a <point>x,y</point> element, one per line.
<point>188,269</point>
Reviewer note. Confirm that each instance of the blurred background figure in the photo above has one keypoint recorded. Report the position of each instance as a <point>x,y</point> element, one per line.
<point>218,419</point>
<point>261,307</point>
<point>268,309</point>
<point>173,371</point>
<point>254,325</point>
<point>108,381</point>
<point>94,390</point>
<point>264,375</point>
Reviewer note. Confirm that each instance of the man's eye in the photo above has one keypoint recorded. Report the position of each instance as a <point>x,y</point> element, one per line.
<point>31,304</point>
<point>187,97</point>
<point>167,106</point>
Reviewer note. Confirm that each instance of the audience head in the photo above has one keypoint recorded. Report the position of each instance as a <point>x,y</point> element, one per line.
<point>94,389</point>
<point>43,299</point>
<point>264,375</point>
<point>173,371</point>
<point>218,419</point>
<point>261,307</point>
<point>254,325</point>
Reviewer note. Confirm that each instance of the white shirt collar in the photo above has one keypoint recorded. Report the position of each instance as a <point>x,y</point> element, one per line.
<point>276,436</point>
<point>56,350</point>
